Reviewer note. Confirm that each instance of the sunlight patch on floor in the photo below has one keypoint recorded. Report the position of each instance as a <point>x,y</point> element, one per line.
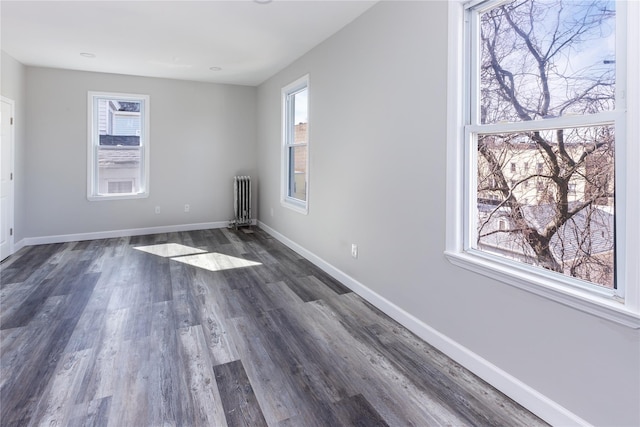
<point>169,250</point>
<point>214,261</point>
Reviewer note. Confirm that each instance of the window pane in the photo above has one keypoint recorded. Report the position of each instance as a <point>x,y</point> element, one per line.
<point>547,58</point>
<point>119,164</point>
<point>298,172</point>
<point>119,122</point>
<point>300,116</point>
<point>560,215</point>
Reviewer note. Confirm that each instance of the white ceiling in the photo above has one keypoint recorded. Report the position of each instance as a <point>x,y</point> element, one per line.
<point>249,40</point>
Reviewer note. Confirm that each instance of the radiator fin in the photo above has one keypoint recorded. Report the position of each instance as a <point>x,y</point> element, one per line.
<point>241,201</point>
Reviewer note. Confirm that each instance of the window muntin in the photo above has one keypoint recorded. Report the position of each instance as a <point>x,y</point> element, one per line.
<point>296,144</point>
<point>538,61</point>
<point>118,150</point>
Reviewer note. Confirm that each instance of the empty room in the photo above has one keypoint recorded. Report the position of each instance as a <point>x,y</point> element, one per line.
<point>320,213</point>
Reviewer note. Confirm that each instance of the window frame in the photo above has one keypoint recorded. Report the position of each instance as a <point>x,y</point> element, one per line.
<point>93,146</point>
<point>621,306</point>
<point>288,142</point>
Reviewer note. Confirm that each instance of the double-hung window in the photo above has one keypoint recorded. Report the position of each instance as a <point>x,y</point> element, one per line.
<point>118,150</point>
<point>295,145</point>
<point>544,82</point>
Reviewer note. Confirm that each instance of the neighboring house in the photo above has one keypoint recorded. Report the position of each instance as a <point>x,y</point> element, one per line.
<point>300,135</point>
<point>119,155</point>
<point>118,117</point>
<point>526,172</point>
<point>119,169</point>
<point>583,246</point>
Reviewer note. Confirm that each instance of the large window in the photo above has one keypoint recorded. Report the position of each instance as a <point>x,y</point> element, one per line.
<point>295,145</point>
<point>118,152</point>
<point>543,82</point>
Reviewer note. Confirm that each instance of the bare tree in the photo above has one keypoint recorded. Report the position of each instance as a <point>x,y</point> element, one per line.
<point>550,192</point>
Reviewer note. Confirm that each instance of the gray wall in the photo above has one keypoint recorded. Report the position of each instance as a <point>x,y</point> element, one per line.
<point>201,136</point>
<point>377,107</point>
<point>13,86</point>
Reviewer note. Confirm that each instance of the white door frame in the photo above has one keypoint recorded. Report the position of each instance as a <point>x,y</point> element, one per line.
<point>11,195</point>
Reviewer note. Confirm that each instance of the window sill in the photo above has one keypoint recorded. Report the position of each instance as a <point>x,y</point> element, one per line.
<point>295,205</point>
<point>118,197</point>
<point>601,305</point>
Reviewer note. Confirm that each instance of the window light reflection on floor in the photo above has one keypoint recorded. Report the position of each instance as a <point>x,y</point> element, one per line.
<point>212,261</point>
<point>169,250</point>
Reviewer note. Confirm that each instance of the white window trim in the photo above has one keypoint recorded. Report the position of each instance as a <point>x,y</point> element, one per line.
<point>598,302</point>
<point>92,123</point>
<point>297,205</point>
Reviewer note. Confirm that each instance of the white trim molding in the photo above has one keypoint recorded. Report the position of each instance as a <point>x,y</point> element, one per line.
<point>534,401</point>
<point>583,300</point>
<point>64,238</point>
<point>10,212</point>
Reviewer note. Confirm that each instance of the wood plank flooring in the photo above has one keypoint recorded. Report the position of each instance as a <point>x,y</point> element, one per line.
<point>214,328</point>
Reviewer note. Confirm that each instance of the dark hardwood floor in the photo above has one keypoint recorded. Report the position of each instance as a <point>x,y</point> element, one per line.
<point>214,328</point>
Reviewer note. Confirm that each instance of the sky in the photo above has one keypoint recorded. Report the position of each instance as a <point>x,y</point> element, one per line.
<point>302,107</point>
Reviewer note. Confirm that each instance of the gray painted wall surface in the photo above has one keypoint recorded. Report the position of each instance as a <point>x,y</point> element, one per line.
<point>377,111</point>
<point>201,136</point>
<point>13,86</point>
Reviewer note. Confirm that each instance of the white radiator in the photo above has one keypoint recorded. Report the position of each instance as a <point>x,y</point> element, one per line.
<point>241,201</point>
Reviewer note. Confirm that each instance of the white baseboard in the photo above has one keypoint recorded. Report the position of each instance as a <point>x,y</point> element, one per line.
<point>18,245</point>
<point>63,238</point>
<point>526,396</point>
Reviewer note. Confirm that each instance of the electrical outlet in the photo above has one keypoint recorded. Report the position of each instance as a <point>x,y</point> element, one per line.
<point>157,210</point>
<point>354,250</point>
<point>187,208</point>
